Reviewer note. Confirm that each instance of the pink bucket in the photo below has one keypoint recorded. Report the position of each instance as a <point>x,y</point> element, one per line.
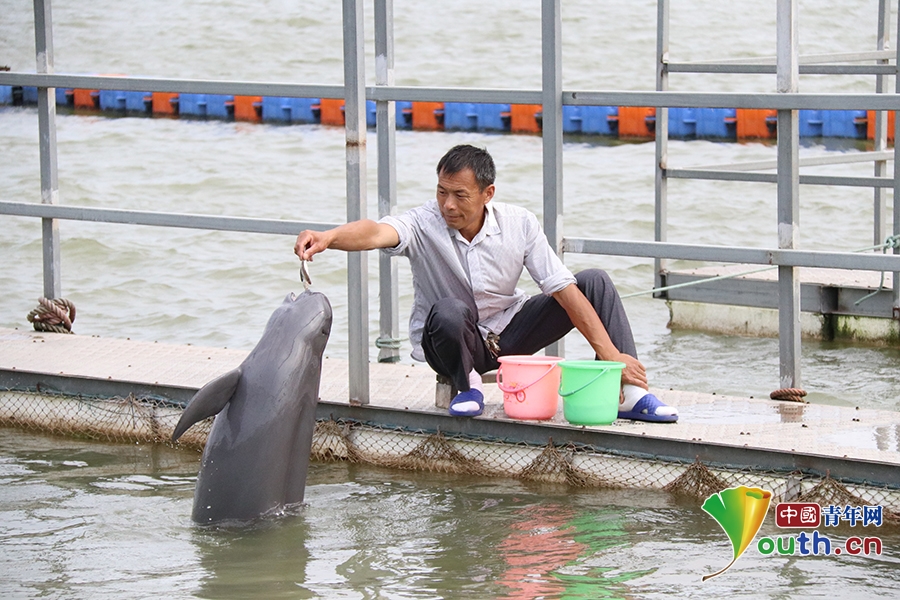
<point>530,386</point>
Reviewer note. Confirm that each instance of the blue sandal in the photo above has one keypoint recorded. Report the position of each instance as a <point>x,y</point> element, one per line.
<point>645,410</point>
<point>469,396</point>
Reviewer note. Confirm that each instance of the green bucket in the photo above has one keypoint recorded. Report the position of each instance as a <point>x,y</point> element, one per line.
<point>590,391</point>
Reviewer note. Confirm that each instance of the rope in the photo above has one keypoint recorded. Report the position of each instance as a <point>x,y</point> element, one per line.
<point>892,241</point>
<point>55,315</point>
<point>789,394</point>
<point>389,343</point>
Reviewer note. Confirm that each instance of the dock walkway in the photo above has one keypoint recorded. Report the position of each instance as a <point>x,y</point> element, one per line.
<point>861,444</point>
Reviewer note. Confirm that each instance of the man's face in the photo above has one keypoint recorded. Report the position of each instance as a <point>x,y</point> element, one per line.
<point>462,202</point>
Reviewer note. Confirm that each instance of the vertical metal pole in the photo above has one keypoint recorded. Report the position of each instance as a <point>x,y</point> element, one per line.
<point>881,127</point>
<point>896,211</point>
<point>788,195</point>
<point>552,130</point>
<point>386,123</point>
<point>43,42</point>
<point>357,263</point>
<point>661,216</point>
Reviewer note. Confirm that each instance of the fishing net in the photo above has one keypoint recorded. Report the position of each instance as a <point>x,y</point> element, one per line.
<point>151,420</point>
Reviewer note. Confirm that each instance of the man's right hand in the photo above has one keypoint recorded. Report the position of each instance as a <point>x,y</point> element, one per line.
<point>310,243</point>
<point>351,237</point>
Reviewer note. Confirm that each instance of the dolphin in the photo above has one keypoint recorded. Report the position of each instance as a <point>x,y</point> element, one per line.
<point>257,452</point>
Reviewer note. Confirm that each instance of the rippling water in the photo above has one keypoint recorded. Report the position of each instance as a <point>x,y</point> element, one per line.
<point>418,536</point>
<point>90,520</point>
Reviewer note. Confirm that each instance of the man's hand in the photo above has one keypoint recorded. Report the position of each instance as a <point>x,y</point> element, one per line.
<point>588,323</point>
<point>634,372</point>
<point>353,237</point>
<point>310,243</point>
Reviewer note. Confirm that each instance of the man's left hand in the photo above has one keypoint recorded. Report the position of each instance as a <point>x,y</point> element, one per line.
<point>634,372</point>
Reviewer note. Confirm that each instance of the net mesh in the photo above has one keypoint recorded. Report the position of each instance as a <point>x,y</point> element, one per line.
<point>133,419</point>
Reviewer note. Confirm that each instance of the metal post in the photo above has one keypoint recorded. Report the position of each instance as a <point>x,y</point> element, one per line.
<point>661,216</point>
<point>388,341</point>
<point>357,263</point>
<point>896,211</point>
<point>881,127</point>
<point>788,75</point>
<point>43,42</point>
<point>552,130</point>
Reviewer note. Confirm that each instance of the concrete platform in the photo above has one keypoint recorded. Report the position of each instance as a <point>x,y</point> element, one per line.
<point>733,429</point>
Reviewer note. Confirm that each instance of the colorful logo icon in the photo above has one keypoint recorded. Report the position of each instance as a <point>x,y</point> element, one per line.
<point>740,512</point>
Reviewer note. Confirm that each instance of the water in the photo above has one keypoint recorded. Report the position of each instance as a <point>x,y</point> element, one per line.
<point>218,289</point>
<point>84,519</point>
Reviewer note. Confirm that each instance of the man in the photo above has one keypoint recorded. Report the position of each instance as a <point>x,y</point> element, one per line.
<point>466,254</point>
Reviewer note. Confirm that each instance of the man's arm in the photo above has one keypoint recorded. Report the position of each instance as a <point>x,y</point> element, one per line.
<point>354,236</point>
<point>585,319</point>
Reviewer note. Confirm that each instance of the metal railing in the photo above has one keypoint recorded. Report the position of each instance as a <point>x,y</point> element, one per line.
<point>787,102</point>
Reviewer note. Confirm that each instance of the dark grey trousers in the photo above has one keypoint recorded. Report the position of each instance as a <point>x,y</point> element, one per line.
<point>453,345</point>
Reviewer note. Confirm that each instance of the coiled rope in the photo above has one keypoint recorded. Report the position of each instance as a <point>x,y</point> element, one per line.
<point>55,315</point>
<point>789,394</point>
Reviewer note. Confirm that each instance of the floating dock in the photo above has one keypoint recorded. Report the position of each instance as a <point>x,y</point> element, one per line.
<point>794,449</point>
<point>608,121</point>
<point>836,304</point>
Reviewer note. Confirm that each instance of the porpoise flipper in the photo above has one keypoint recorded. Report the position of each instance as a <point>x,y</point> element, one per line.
<point>208,401</point>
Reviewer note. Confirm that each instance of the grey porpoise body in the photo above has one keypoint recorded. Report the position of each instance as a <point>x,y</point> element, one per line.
<point>257,453</point>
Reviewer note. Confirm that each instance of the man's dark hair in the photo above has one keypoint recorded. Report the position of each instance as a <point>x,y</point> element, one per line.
<point>464,156</point>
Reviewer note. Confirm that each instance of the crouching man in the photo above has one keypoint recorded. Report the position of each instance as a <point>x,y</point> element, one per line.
<point>467,252</point>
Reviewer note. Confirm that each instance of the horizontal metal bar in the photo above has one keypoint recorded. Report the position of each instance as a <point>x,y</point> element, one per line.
<point>838,180</point>
<point>736,100</point>
<point>798,258</point>
<point>807,59</point>
<point>484,96</point>
<point>770,69</point>
<point>488,96</point>
<point>735,254</point>
<point>151,84</point>
<point>837,158</point>
<point>719,175</point>
<point>242,88</point>
<point>159,219</point>
<point>506,430</point>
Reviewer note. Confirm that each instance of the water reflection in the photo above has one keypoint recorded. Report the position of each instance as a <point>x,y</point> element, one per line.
<point>538,546</point>
<point>791,412</point>
<point>265,560</point>
<point>556,536</point>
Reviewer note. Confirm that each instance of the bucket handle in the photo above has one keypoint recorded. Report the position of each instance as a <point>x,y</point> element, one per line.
<point>599,375</point>
<point>516,390</point>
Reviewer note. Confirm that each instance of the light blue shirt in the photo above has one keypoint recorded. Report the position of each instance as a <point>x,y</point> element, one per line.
<point>483,273</point>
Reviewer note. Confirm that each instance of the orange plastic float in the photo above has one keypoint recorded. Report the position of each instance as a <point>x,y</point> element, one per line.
<point>525,118</point>
<point>870,125</point>
<point>331,111</point>
<point>428,115</point>
<point>754,123</point>
<point>637,121</point>
<point>165,103</point>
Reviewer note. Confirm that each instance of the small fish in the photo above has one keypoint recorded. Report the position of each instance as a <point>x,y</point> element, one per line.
<point>304,275</point>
